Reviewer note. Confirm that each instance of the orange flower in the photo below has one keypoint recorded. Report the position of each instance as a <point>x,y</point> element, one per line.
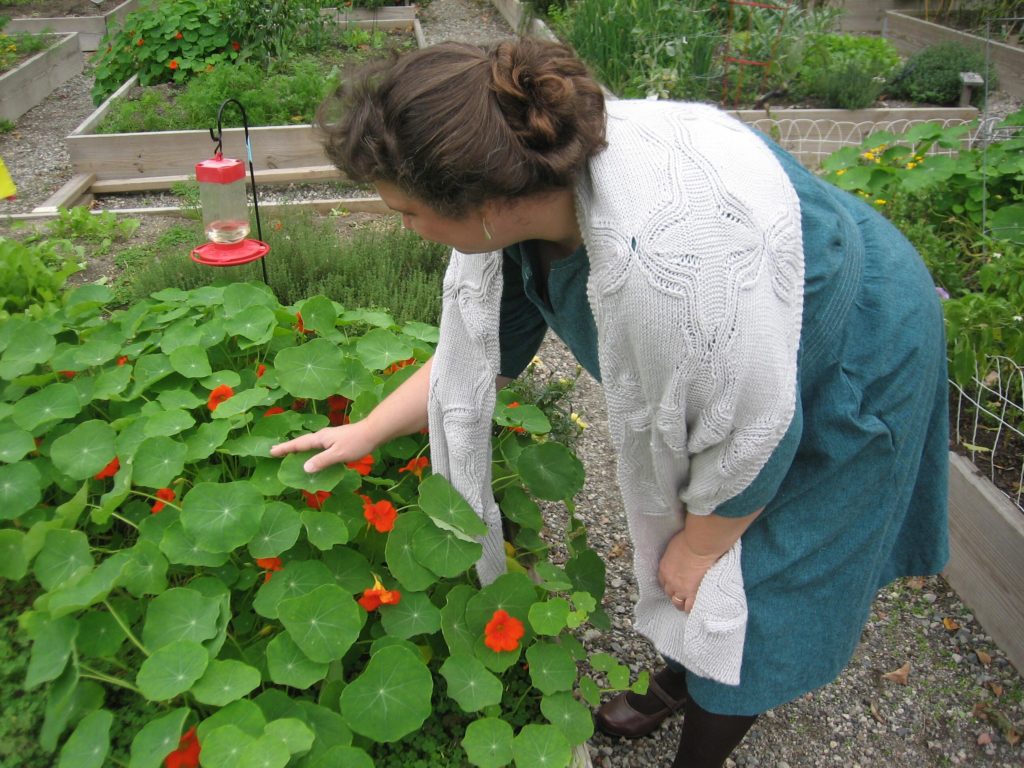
<point>518,430</point>
<point>269,564</point>
<point>260,370</point>
<point>316,500</point>
<point>362,466</point>
<point>218,396</point>
<point>68,374</point>
<point>122,360</point>
<point>173,64</point>
<point>513,404</point>
<point>273,411</point>
<point>376,596</point>
<point>178,35</point>
<point>301,326</point>
<point>416,466</point>
<point>165,495</point>
<point>399,365</point>
<point>381,515</point>
<point>503,632</point>
<point>187,753</point>
<point>235,45</point>
<point>140,42</point>
<point>108,471</point>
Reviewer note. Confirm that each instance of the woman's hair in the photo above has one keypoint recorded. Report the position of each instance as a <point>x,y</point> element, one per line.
<point>455,124</point>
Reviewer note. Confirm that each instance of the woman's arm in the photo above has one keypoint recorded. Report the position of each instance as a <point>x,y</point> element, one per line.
<point>692,551</point>
<point>403,412</point>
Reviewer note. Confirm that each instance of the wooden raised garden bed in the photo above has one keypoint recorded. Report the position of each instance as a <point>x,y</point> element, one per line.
<point>90,29</point>
<point>34,79</point>
<point>909,34</point>
<point>137,162</point>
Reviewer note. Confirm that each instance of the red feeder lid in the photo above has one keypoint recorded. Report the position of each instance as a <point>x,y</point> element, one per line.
<point>220,170</point>
<point>220,255</point>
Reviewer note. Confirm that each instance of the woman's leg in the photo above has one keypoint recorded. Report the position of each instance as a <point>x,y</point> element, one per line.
<point>708,738</point>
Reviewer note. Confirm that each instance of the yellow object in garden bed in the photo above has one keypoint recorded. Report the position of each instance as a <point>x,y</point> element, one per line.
<point>7,188</point>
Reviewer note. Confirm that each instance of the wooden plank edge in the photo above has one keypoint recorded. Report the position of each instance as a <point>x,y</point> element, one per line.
<point>86,126</point>
<point>267,176</point>
<point>68,194</point>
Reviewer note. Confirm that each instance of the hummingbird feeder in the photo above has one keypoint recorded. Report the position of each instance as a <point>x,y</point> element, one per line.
<point>225,209</point>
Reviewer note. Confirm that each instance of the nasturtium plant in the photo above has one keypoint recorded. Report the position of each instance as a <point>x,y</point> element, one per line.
<point>259,614</point>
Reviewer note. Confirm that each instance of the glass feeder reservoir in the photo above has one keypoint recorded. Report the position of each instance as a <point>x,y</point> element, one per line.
<point>223,199</point>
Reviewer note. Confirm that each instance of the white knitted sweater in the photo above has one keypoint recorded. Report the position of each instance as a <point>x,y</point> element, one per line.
<point>693,235</point>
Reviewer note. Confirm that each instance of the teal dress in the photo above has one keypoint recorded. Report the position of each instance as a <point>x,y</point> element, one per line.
<point>854,496</point>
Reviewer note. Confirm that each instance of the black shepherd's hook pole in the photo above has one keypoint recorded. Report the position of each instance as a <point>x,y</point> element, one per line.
<point>218,137</point>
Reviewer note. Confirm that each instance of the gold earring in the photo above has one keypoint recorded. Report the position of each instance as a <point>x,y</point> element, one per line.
<point>487,232</point>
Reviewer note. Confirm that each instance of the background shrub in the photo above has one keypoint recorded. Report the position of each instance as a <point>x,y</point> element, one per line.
<point>933,74</point>
<point>33,274</point>
<point>845,71</point>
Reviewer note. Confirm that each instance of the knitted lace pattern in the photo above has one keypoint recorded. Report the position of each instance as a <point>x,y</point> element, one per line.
<point>693,234</point>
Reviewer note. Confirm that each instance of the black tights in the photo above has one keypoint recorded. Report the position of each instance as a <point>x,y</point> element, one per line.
<point>709,738</point>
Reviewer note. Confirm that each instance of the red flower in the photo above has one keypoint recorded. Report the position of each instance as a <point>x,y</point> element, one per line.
<point>187,753</point>
<point>399,365</point>
<point>376,596</point>
<point>122,360</point>
<point>178,35</point>
<point>165,495</point>
<point>416,466</point>
<point>173,64</point>
<point>218,396</point>
<point>362,466</point>
<point>273,411</point>
<point>338,403</point>
<point>503,632</point>
<point>299,325</point>
<point>140,42</point>
<point>269,564</point>
<point>298,405</point>
<point>68,374</point>
<point>337,418</point>
<point>110,470</point>
<point>260,370</point>
<point>520,430</point>
<point>381,515</point>
<point>513,404</point>
<point>316,500</point>
<point>235,45</point>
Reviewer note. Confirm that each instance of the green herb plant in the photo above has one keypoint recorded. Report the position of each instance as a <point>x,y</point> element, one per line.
<point>15,48</point>
<point>266,615</point>
<point>274,29</point>
<point>932,75</point>
<point>164,42</point>
<point>845,71</point>
<point>33,274</point>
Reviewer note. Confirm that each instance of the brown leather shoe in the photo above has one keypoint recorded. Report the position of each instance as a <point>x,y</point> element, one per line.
<point>617,717</point>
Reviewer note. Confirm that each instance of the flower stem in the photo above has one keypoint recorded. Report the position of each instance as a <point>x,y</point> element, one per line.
<point>95,674</point>
<point>124,520</point>
<point>125,628</point>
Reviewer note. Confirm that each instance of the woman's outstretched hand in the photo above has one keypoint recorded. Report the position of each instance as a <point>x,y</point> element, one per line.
<point>336,444</point>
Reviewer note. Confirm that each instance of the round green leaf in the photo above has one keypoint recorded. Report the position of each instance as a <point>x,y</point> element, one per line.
<point>414,615</point>
<point>99,635</point>
<point>30,346</point>
<point>15,444</point>
<point>279,530</point>
<point>20,489</point>
<point>402,560</point>
<point>222,516</point>
<point>179,613</point>
<point>249,445</point>
<point>470,684</point>
<point>167,423</point>
<point>225,681</point>
<point>291,732</point>
<point>293,475</point>
<point>157,739</point>
<point>255,323</point>
<point>549,617</point>
<point>63,553</point>
<point>354,379</point>
<point>552,667</point>
<point>319,314</point>
<point>242,714</point>
<point>290,666</point>
<point>391,698</point>
<point>57,402</point>
<point>111,382</point>
<point>224,747</point>
<point>182,549</point>
<point>453,621</point>
<point>265,752</point>
<point>243,402</point>
<point>311,370</point>
<point>323,623</point>
<point>449,511</point>
<point>157,461</point>
<point>350,567</point>
<point>521,509</point>
<point>52,642</point>
<point>488,743</point>
<point>550,471</point>
<point>96,352</point>
<point>92,587</point>
<point>350,757</point>
<point>172,670</point>
<point>191,362</point>
<point>323,529</point>
<point>443,552</point>
<point>88,745</point>
<point>13,563</point>
<point>206,439</point>
<point>296,579</point>
<point>379,348</point>
<point>240,296</point>
<point>541,745</point>
<point>569,716</point>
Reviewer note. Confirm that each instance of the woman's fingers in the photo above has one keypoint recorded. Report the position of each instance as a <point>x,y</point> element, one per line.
<point>308,442</point>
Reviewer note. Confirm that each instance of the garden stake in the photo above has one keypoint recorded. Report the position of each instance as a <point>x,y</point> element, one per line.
<point>222,197</point>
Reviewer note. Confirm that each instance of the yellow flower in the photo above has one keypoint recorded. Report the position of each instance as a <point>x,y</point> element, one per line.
<point>536,362</point>
<point>879,201</point>
<point>868,155</point>
<point>575,419</point>
<point>911,165</point>
<point>840,172</point>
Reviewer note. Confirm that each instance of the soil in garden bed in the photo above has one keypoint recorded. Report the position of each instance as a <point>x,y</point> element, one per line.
<point>1002,465</point>
<point>53,9</point>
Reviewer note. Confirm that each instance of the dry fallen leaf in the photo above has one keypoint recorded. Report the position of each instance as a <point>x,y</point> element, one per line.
<point>616,550</point>
<point>980,710</point>
<point>984,658</point>
<point>997,689</point>
<point>951,624</point>
<point>916,582</point>
<point>1012,738</point>
<point>984,738</point>
<point>875,713</point>
<point>898,675</point>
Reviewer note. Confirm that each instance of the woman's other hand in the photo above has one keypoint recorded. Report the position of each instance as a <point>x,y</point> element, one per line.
<point>336,445</point>
<point>682,570</point>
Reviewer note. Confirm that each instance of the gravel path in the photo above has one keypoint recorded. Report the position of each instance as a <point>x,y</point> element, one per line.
<point>961,696</point>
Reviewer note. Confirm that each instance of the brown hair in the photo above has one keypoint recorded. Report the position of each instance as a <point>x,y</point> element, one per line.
<point>455,124</point>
